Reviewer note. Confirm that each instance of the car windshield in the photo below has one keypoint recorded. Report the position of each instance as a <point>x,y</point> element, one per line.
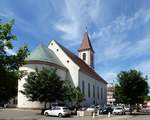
<point>92,106</point>
<point>119,108</point>
<point>65,108</point>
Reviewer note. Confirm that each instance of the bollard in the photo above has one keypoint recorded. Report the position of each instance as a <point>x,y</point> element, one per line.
<point>108,114</point>
<point>97,112</point>
<point>93,115</point>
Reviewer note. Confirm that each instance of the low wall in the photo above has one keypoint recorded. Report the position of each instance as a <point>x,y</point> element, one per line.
<point>84,113</point>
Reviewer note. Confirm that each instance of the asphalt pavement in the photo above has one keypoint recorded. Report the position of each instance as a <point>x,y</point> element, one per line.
<point>17,114</point>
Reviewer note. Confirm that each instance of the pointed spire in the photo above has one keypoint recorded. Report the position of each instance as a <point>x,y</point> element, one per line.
<point>86,29</point>
<point>86,43</point>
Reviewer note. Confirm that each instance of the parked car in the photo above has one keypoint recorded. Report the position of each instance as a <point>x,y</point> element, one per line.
<point>127,109</point>
<point>119,110</point>
<point>58,111</point>
<point>56,104</point>
<point>3,104</point>
<point>105,110</point>
<point>91,108</point>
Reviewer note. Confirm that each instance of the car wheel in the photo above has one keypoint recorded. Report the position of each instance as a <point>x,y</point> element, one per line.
<point>46,114</point>
<point>60,115</point>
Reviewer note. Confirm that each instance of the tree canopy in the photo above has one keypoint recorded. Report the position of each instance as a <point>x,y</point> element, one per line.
<point>9,64</point>
<point>79,97</point>
<point>44,86</point>
<point>72,93</point>
<point>131,87</point>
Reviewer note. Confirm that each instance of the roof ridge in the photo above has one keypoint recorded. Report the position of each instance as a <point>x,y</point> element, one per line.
<point>43,53</point>
<point>86,43</point>
<point>83,66</point>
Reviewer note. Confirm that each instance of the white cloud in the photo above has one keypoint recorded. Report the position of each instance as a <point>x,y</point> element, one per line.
<point>109,76</point>
<point>115,49</point>
<point>70,31</point>
<point>6,13</point>
<point>75,16</point>
<point>112,40</point>
<point>144,67</point>
<point>117,26</point>
<point>146,15</point>
<point>139,48</point>
<point>10,51</point>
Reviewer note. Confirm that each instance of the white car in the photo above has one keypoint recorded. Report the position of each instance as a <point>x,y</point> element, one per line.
<point>58,111</point>
<point>119,110</point>
<point>127,109</point>
<point>91,108</point>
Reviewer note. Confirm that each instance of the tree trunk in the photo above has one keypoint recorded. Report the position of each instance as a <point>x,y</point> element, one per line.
<point>42,111</point>
<point>45,104</point>
<point>131,108</point>
<point>138,107</point>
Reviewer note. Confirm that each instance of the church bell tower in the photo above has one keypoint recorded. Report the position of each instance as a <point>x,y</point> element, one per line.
<point>86,52</point>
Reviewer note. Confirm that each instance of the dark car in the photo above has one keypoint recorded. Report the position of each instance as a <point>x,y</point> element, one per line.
<point>3,104</point>
<point>106,110</point>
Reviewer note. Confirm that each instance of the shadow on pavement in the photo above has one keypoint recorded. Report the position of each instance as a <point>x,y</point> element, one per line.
<point>145,111</point>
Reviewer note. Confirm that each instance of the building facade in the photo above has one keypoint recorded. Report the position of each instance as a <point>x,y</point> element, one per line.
<point>79,70</point>
<point>110,92</point>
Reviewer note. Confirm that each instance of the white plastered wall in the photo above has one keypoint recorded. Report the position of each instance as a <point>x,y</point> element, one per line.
<point>23,102</point>
<point>88,56</point>
<point>73,69</point>
<point>90,100</point>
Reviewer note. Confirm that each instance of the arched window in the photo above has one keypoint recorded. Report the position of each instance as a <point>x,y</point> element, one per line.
<point>84,56</point>
<point>83,87</point>
<point>93,91</point>
<point>89,90</point>
<point>101,93</point>
<point>98,92</point>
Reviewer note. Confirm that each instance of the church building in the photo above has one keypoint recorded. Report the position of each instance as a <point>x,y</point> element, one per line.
<point>78,69</point>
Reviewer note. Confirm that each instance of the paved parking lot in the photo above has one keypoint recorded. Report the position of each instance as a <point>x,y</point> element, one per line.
<point>15,114</point>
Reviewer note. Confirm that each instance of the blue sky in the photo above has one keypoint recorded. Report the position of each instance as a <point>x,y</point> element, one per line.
<point>119,29</point>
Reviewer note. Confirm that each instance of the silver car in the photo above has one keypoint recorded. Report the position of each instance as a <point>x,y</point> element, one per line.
<point>119,110</point>
<point>58,111</point>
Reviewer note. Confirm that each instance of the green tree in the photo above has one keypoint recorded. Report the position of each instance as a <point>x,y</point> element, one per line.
<point>131,88</point>
<point>79,97</point>
<point>147,98</point>
<point>44,86</point>
<point>72,93</point>
<point>69,91</point>
<point>9,64</point>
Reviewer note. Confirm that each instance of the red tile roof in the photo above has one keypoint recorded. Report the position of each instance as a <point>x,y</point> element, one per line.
<point>83,66</point>
<point>86,44</point>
